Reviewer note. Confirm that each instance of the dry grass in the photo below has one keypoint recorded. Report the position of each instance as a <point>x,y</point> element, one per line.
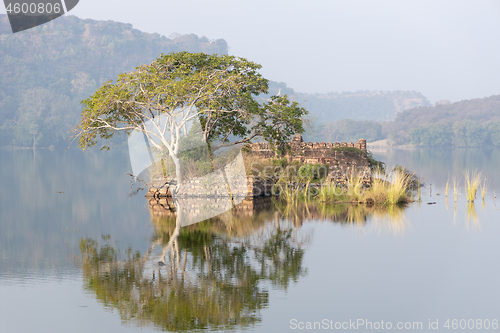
<point>397,190</point>
<point>378,191</point>
<point>472,182</point>
<point>389,189</point>
<point>392,188</point>
<point>484,189</point>
<point>447,188</point>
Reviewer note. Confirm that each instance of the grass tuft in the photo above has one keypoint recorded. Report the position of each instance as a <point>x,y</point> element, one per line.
<point>484,189</point>
<point>472,182</point>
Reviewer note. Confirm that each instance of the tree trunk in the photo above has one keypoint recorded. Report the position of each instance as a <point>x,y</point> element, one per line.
<point>178,172</point>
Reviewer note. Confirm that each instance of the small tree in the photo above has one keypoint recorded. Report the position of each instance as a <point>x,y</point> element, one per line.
<point>160,99</point>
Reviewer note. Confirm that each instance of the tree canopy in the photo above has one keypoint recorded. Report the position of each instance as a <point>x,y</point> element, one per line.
<point>217,92</point>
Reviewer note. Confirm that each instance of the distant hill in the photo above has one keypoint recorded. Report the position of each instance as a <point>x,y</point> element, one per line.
<point>359,105</point>
<point>47,70</point>
<point>478,109</point>
<point>468,123</point>
<point>348,116</point>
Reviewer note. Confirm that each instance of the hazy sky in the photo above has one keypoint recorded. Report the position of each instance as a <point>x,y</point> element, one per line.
<point>444,49</point>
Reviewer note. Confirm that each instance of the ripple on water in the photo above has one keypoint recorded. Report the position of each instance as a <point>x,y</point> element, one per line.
<point>32,276</point>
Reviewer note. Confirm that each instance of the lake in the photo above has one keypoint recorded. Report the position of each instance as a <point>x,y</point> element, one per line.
<point>80,252</point>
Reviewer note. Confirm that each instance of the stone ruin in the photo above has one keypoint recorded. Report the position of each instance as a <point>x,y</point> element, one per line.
<point>341,165</point>
<point>342,162</point>
<point>306,152</point>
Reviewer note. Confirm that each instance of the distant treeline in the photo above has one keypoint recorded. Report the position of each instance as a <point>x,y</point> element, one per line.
<point>362,105</point>
<point>462,134</point>
<point>469,123</point>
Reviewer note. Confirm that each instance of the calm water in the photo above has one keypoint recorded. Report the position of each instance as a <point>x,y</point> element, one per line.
<point>86,259</point>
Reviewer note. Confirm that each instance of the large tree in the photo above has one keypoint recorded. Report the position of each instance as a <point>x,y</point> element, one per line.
<point>219,92</point>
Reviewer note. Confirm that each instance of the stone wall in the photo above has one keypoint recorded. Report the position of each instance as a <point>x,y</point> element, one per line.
<point>306,152</point>
<point>342,163</point>
<point>199,187</point>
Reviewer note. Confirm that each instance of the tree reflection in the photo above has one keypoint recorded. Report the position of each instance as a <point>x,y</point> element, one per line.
<point>203,279</point>
<point>215,274</point>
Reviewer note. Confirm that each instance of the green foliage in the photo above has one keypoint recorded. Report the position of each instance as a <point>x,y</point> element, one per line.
<point>375,165</point>
<point>432,135</point>
<point>469,123</point>
<point>220,90</point>
<point>280,162</point>
<point>280,119</point>
<point>348,149</point>
<point>459,134</point>
<point>463,134</point>
<point>469,133</point>
<point>494,133</point>
<point>475,134</point>
<point>313,171</point>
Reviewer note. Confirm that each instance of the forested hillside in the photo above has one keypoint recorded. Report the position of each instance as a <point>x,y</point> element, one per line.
<point>468,123</point>
<point>359,105</point>
<point>348,116</point>
<point>46,71</point>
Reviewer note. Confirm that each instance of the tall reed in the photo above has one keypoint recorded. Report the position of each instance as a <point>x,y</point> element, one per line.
<point>472,182</point>
<point>397,190</point>
<point>355,189</point>
<point>447,188</point>
<point>484,189</point>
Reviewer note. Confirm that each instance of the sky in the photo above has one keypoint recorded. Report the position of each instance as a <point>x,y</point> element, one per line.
<point>447,49</point>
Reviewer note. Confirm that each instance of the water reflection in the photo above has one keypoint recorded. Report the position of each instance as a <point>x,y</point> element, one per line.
<point>211,275</point>
<point>383,218</point>
<point>228,272</point>
<point>472,219</point>
<point>216,274</point>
